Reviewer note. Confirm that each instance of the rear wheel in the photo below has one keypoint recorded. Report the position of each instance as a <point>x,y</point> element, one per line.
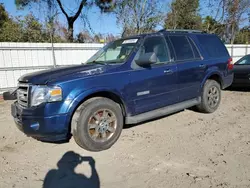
<point>211,97</point>
<point>97,124</point>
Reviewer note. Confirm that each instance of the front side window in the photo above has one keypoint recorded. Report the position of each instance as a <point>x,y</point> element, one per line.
<point>182,47</point>
<point>114,52</point>
<point>157,45</point>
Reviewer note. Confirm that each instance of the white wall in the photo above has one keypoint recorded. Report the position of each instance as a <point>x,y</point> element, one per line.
<point>238,50</point>
<point>17,59</point>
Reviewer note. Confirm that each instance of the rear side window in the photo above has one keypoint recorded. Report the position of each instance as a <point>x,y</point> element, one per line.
<point>182,47</point>
<point>213,46</point>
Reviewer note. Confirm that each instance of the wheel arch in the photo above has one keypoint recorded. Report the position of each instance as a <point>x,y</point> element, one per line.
<point>213,76</point>
<point>112,95</point>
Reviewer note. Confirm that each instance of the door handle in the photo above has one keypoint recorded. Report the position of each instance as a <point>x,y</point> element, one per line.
<point>202,66</point>
<point>168,71</point>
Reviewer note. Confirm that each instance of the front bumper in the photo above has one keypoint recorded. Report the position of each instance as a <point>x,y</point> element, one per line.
<point>51,128</point>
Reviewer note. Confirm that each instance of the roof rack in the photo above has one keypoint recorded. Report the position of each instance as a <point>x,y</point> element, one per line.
<point>181,31</point>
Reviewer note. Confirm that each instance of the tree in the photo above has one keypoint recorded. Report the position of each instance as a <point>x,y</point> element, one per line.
<point>10,31</point>
<point>23,29</point>
<point>137,16</point>
<point>3,15</point>
<point>104,5</point>
<point>243,36</point>
<point>33,30</point>
<point>210,25</point>
<point>183,15</point>
<point>234,16</point>
<point>84,37</point>
<point>110,37</point>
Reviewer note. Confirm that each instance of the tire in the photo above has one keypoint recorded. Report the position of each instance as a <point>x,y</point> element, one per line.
<point>206,106</point>
<point>88,114</point>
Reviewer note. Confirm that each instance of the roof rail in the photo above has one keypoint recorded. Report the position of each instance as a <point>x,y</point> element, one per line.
<point>181,31</point>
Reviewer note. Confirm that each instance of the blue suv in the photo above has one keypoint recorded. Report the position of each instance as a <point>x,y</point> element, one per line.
<point>128,81</point>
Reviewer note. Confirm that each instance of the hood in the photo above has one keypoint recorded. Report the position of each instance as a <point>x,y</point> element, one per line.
<point>45,76</point>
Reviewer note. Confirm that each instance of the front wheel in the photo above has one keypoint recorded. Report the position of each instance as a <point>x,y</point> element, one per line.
<point>211,97</point>
<point>97,124</point>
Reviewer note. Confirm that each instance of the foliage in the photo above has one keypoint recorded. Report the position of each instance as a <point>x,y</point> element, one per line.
<point>27,29</point>
<point>104,5</point>
<point>233,14</point>
<point>210,25</point>
<point>137,16</point>
<point>85,37</point>
<point>243,36</point>
<point>183,15</point>
<point>228,18</point>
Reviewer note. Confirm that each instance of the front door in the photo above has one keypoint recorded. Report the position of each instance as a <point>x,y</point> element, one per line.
<point>155,86</point>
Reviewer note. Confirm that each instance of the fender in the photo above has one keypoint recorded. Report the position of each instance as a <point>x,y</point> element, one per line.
<point>210,72</point>
<point>79,98</point>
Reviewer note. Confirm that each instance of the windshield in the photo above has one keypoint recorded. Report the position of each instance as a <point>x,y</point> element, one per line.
<point>244,61</point>
<point>115,52</point>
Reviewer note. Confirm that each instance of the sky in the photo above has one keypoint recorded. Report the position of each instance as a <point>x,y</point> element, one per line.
<point>100,23</point>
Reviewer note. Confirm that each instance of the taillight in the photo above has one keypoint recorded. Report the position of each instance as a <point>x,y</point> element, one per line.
<point>230,64</point>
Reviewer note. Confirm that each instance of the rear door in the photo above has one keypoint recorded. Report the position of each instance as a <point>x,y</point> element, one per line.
<point>191,70</point>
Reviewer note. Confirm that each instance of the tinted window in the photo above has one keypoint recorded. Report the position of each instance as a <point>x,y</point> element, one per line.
<point>155,45</point>
<point>213,46</point>
<point>244,61</point>
<point>195,50</point>
<point>182,47</point>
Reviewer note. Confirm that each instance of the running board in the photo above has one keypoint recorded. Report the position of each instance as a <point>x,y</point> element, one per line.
<point>162,111</point>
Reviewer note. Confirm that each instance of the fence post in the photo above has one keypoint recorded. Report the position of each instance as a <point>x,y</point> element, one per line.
<point>232,50</point>
<point>53,55</point>
<point>52,45</point>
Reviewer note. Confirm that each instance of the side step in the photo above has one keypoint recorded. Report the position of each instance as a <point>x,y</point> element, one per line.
<point>162,111</point>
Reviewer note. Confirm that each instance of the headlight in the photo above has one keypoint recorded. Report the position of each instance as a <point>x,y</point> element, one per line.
<point>42,94</point>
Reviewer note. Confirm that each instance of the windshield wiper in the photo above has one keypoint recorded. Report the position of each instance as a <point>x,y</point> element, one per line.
<point>98,62</point>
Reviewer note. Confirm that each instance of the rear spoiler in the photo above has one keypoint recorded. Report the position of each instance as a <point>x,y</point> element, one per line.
<point>10,95</point>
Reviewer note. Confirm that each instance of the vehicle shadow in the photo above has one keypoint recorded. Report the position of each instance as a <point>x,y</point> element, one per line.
<point>65,176</point>
<point>239,89</point>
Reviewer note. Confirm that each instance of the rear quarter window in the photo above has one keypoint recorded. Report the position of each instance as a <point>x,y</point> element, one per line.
<point>213,46</point>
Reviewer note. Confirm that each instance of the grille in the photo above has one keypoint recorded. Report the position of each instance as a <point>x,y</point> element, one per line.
<point>23,94</point>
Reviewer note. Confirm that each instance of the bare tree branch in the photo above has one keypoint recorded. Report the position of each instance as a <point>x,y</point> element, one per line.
<point>83,2</point>
<point>62,9</point>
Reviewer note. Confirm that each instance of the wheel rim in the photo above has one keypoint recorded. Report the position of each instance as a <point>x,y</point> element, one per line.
<point>102,125</point>
<point>213,97</point>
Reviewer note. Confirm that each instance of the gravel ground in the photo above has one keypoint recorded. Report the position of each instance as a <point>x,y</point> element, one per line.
<point>187,149</point>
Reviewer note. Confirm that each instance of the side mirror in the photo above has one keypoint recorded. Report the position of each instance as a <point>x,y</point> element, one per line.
<point>9,95</point>
<point>146,59</point>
